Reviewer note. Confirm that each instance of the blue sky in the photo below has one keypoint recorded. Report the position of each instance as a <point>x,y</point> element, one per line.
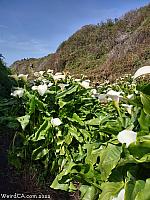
<point>35,28</point>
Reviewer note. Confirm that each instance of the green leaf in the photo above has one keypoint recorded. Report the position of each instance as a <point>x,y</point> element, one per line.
<point>76,134</point>
<point>110,189</point>
<point>41,133</point>
<point>70,90</point>
<point>109,158</point>
<point>88,192</point>
<point>145,99</point>
<point>61,103</point>
<point>58,183</point>
<point>144,121</point>
<point>144,194</point>
<point>24,121</point>
<point>140,149</point>
<point>132,188</point>
<point>39,153</point>
<point>77,119</point>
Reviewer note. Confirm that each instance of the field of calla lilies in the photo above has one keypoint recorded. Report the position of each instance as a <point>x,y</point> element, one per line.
<point>94,140</point>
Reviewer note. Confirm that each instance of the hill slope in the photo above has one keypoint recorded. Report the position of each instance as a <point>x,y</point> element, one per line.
<point>105,50</point>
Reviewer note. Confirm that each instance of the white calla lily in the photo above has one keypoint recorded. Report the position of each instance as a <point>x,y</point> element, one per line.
<point>23,77</point>
<point>50,71</point>
<point>62,86</point>
<point>127,137</point>
<point>85,84</point>
<point>130,96</point>
<point>42,89</point>
<point>102,98</point>
<point>36,74</point>
<point>49,84</point>
<point>56,121</point>
<point>14,76</point>
<point>128,107</point>
<point>18,92</point>
<point>77,80</point>
<point>34,87</point>
<point>120,195</point>
<point>115,96</point>
<point>142,71</point>
<point>41,72</point>
<point>58,76</point>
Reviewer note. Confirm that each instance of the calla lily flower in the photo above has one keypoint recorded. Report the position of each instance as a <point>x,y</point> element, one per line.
<point>42,89</point>
<point>50,71</point>
<point>34,87</point>
<point>142,71</point>
<point>127,137</point>
<point>115,96</point>
<point>41,72</point>
<point>14,76</point>
<point>62,86</point>
<point>58,76</point>
<point>36,74</point>
<point>120,195</point>
<point>50,84</point>
<point>128,107</point>
<point>130,96</point>
<point>18,92</point>
<point>85,84</point>
<point>23,77</point>
<point>102,98</point>
<point>56,121</point>
<point>77,80</point>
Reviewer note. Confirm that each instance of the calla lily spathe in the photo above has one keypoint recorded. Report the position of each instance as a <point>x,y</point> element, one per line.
<point>115,96</point>
<point>56,121</point>
<point>142,71</point>
<point>127,137</point>
<point>85,84</point>
<point>18,92</point>
<point>58,76</point>
<point>128,107</point>
<point>23,77</point>
<point>120,195</point>
<point>41,89</point>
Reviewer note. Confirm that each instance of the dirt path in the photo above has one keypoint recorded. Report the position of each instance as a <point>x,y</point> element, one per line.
<point>12,182</point>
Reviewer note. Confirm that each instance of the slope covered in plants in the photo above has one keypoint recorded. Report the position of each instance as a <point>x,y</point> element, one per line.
<point>105,50</point>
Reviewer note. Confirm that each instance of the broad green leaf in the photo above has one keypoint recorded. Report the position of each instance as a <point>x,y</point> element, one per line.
<point>40,133</point>
<point>140,149</point>
<point>24,121</point>
<point>145,99</point>
<point>77,119</point>
<point>110,189</point>
<point>88,192</point>
<point>132,188</point>
<point>75,133</point>
<point>93,122</point>
<point>39,153</point>
<point>144,121</point>
<point>97,121</point>
<point>144,194</point>
<point>61,103</point>
<point>70,90</point>
<point>109,158</point>
<point>58,183</point>
<point>86,135</point>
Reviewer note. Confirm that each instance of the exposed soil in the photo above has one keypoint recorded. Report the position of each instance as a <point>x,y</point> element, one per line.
<point>12,182</point>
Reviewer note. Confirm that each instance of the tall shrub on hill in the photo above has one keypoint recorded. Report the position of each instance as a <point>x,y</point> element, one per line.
<point>5,82</point>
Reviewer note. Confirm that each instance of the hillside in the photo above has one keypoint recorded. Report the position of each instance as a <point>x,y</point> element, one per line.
<point>101,51</point>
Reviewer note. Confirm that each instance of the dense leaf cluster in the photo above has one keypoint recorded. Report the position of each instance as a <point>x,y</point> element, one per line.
<point>70,132</point>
